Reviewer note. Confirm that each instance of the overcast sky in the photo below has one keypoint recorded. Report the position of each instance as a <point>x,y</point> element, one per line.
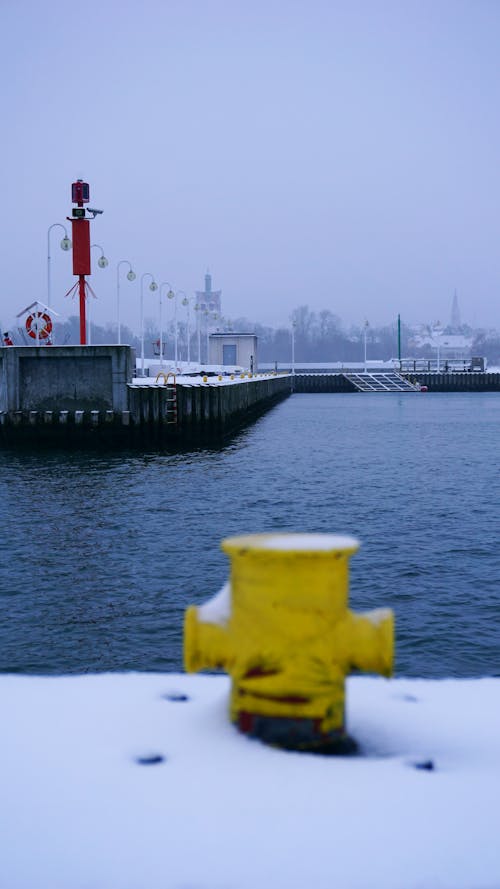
<point>339,154</point>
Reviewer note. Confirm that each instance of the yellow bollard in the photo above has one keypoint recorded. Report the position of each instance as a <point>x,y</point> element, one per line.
<point>282,629</point>
<point>219,378</point>
<point>205,379</point>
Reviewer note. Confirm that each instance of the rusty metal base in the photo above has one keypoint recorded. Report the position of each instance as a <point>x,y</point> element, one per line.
<point>302,735</point>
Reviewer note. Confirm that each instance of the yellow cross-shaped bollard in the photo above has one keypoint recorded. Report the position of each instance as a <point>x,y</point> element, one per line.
<point>282,629</point>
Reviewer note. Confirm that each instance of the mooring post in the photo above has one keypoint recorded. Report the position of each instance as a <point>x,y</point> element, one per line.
<point>282,629</point>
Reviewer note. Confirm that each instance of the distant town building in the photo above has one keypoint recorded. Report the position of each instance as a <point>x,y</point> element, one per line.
<point>209,299</point>
<point>450,345</point>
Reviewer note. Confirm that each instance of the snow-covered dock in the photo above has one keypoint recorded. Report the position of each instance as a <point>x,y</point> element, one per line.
<point>210,809</point>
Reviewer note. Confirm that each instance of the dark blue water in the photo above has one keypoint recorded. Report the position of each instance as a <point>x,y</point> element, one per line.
<point>100,553</point>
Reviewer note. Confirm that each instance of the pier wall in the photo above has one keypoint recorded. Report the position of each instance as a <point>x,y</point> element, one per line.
<point>65,378</point>
<point>322,382</point>
<point>68,395</point>
<point>457,382</point>
<point>204,410</point>
<point>442,382</point>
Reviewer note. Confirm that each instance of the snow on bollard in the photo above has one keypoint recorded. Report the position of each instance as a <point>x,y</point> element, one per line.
<point>282,629</point>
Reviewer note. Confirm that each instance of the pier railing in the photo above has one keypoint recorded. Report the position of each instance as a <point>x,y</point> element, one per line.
<point>444,365</point>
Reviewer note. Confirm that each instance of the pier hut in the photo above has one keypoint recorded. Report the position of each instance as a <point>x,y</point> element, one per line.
<point>229,349</point>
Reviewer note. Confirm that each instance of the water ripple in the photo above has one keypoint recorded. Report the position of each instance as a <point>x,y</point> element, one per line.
<point>102,552</point>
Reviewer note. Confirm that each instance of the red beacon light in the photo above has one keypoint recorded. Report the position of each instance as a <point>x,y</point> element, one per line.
<point>80,192</point>
<point>80,226</point>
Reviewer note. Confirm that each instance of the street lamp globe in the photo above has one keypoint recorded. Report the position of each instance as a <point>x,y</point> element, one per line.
<point>131,276</point>
<point>66,243</point>
<point>102,262</point>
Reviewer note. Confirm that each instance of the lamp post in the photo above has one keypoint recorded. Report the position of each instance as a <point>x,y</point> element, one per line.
<point>294,325</point>
<point>102,262</point>
<point>130,277</point>
<point>365,332</point>
<point>187,302</point>
<point>170,291</point>
<point>153,286</point>
<point>184,296</point>
<point>65,245</point>
<point>206,314</point>
<point>214,317</point>
<point>197,309</point>
<point>399,341</point>
<point>172,295</point>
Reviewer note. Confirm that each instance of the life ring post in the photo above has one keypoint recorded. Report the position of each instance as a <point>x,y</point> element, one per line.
<point>39,325</point>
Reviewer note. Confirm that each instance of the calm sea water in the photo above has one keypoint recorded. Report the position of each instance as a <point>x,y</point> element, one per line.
<point>101,553</point>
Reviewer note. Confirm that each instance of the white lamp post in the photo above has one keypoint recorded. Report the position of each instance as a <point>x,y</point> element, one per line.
<point>102,262</point>
<point>65,245</point>
<point>365,332</point>
<point>130,277</point>
<point>153,286</point>
<point>170,291</point>
<point>215,317</point>
<point>206,314</point>
<point>184,296</point>
<point>172,295</point>
<point>197,309</point>
<point>294,325</point>
<point>187,302</point>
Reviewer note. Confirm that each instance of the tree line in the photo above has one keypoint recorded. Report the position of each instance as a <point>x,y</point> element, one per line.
<point>318,337</point>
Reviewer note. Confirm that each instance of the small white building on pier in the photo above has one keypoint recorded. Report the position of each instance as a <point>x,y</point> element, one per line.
<point>233,349</point>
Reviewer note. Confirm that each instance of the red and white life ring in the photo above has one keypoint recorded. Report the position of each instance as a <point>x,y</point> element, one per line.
<point>39,325</point>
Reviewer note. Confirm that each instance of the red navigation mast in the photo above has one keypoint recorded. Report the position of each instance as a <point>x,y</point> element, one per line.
<point>80,224</point>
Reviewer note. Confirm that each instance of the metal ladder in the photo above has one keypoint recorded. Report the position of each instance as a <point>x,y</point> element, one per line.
<point>171,399</point>
<point>389,381</point>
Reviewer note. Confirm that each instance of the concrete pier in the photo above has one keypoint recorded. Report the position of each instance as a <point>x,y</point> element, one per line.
<point>442,382</point>
<point>71,395</point>
<point>204,410</point>
<point>458,382</point>
<point>322,382</point>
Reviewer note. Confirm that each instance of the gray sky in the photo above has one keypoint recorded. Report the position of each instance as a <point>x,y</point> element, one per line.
<point>343,155</point>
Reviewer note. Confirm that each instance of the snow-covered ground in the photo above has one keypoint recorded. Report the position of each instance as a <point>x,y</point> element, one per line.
<point>188,374</point>
<point>192,375</point>
<point>419,809</point>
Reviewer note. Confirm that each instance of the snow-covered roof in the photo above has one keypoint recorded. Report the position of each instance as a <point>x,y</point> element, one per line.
<point>445,341</point>
<point>37,306</point>
<point>231,333</point>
